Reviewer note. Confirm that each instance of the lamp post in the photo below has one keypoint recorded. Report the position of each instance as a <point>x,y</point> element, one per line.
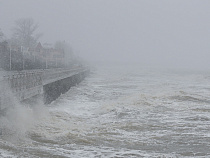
<point>56,62</point>
<point>10,58</point>
<point>21,49</point>
<point>46,62</point>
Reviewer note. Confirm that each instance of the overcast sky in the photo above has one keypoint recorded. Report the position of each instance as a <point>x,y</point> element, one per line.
<point>149,32</point>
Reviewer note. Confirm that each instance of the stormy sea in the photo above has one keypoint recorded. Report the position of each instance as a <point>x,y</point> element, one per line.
<point>117,111</point>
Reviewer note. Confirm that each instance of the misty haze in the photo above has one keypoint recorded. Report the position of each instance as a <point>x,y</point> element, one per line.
<point>104,78</point>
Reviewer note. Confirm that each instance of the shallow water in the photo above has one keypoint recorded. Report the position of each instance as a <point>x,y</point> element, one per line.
<point>117,112</point>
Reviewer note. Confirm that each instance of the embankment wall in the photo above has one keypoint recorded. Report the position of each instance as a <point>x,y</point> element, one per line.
<point>27,86</point>
<point>53,90</point>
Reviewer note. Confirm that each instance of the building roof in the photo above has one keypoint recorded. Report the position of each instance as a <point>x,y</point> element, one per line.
<point>39,47</point>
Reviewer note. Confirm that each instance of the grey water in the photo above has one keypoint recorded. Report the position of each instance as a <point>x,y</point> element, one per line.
<point>117,111</point>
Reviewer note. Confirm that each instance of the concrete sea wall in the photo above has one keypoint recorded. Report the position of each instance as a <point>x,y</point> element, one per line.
<point>49,86</point>
<point>54,89</point>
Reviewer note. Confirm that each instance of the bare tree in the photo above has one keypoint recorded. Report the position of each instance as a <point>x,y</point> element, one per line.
<point>60,45</point>
<point>68,51</point>
<point>24,33</point>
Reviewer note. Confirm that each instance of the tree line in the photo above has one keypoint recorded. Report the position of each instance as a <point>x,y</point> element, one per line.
<point>25,36</point>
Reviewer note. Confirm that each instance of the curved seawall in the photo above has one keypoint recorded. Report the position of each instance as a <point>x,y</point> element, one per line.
<point>47,84</point>
<point>54,89</point>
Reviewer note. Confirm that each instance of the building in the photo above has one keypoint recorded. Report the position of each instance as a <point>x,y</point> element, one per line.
<point>53,58</point>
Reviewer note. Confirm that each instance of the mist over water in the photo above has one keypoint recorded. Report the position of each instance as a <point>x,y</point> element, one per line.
<point>149,87</point>
<point>118,111</point>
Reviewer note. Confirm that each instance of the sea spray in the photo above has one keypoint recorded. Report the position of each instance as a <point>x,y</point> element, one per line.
<point>18,118</point>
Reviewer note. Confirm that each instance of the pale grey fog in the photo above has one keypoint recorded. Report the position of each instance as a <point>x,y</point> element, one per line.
<point>160,33</point>
<point>105,78</point>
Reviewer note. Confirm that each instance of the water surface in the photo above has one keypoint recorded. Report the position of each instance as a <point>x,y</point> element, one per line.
<point>118,111</point>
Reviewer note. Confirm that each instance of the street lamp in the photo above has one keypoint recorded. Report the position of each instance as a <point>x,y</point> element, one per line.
<point>21,49</point>
<point>10,58</point>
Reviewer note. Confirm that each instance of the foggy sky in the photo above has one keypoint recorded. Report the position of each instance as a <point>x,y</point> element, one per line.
<point>166,33</point>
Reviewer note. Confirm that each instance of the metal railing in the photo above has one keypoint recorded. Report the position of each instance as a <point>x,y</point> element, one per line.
<point>23,81</point>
